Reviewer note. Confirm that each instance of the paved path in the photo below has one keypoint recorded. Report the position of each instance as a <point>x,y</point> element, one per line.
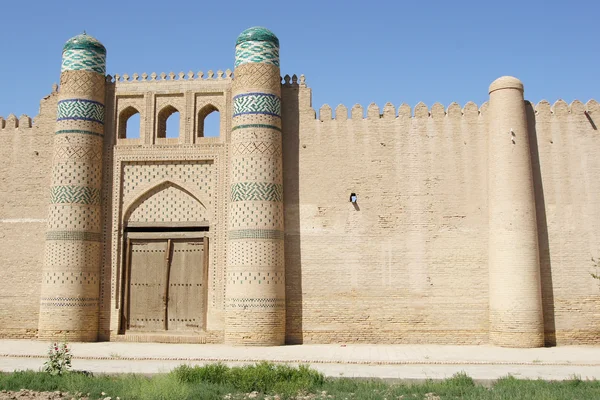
<point>406,362</point>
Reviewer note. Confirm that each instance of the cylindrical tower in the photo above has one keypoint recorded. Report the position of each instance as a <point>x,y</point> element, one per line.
<point>516,318</point>
<point>255,289</point>
<point>70,281</point>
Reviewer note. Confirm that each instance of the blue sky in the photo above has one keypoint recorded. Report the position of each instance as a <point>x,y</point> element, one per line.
<point>350,52</point>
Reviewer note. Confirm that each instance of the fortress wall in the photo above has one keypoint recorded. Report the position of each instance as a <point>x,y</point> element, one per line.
<point>26,154</point>
<point>408,262</point>
<point>568,200</point>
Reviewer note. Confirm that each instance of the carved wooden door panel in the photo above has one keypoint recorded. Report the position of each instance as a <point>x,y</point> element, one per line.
<point>147,283</point>
<point>187,285</point>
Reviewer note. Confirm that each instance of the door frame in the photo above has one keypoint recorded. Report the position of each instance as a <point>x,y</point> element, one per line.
<point>167,234</point>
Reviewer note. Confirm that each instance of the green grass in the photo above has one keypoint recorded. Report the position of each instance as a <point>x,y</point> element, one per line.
<point>216,381</point>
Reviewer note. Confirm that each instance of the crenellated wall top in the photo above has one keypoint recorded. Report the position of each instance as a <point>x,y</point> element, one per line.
<point>453,111</point>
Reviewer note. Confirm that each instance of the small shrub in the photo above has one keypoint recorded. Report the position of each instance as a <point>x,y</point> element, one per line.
<point>210,373</point>
<point>263,377</point>
<point>59,359</point>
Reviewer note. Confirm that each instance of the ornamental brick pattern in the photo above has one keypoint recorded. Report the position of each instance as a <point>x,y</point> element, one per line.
<point>70,284</point>
<point>255,284</point>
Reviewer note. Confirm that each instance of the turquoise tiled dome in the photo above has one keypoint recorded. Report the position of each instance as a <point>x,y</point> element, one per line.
<point>258,34</point>
<point>85,42</point>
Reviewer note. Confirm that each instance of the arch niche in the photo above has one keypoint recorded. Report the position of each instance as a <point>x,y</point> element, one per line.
<point>166,261</point>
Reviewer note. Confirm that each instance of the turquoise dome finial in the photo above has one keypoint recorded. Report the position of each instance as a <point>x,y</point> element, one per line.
<point>257,45</point>
<point>257,34</point>
<point>85,42</point>
<point>84,53</point>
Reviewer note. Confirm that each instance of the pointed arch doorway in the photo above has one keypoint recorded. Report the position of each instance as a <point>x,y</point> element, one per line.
<point>165,264</point>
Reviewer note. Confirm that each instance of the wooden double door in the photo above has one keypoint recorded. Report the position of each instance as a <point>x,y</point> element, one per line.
<point>165,284</point>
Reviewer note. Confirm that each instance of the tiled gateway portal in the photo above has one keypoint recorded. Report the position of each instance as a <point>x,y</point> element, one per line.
<point>165,204</point>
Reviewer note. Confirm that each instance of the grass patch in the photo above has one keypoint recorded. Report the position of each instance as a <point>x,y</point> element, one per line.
<point>264,380</point>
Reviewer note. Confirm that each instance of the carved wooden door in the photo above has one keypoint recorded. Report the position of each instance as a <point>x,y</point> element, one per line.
<point>187,285</point>
<point>147,283</point>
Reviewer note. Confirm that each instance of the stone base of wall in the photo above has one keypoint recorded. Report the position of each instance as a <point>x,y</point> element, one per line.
<point>18,333</point>
<point>210,337</point>
<point>68,336</point>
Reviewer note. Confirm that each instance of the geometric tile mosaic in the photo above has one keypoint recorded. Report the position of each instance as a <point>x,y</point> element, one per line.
<point>256,191</point>
<point>257,103</point>
<point>261,303</point>
<point>75,194</point>
<point>255,234</point>
<point>80,109</point>
<point>265,126</point>
<point>83,60</point>
<point>74,235</point>
<point>256,52</point>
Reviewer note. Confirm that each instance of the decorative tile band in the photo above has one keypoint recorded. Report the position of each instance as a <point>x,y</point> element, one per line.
<point>256,191</point>
<point>74,194</point>
<point>83,60</point>
<point>255,234</point>
<point>260,148</point>
<point>69,301</point>
<point>265,126</point>
<point>257,103</point>
<point>254,51</point>
<point>80,109</point>
<point>245,303</point>
<point>82,131</point>
<point>74,235</point>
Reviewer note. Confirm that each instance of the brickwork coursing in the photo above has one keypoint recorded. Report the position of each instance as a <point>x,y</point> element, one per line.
<point>70,286</point>
<point>472,224</point>
<point>255,285</point>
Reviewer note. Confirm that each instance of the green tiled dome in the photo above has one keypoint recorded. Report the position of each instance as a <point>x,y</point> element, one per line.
<point>258,34</point>
<point>84,42</point>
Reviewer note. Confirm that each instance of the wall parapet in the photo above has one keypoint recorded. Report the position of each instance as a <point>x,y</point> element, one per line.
<point>171,76</point>
<point>453,111</point>
<point>12,122</point>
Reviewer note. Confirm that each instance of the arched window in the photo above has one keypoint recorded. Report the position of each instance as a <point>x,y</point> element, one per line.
<point>168,123</point>
<point>209,121</point>
<point>129,124</point>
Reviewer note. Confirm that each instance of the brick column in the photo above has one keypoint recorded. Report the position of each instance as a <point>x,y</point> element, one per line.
<point>516,318</point>
<point>70,278</point>
<point>255,286</point>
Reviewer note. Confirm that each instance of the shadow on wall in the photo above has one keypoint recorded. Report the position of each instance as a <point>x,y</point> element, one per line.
<point>291,200</point>
<point>542,229</point>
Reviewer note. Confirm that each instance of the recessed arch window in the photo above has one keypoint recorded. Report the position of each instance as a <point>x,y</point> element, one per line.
<point>209,121</point>
<point>168,124</point>
<point>129,124</point>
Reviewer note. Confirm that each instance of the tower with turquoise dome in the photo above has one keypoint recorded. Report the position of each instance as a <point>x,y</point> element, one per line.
<point>255,288</point>
<point>70,277</point>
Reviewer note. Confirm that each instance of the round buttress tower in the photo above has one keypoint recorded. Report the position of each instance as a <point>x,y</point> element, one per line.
<point>516,318</point>
<point>70,278</point>
<point>255,288</point>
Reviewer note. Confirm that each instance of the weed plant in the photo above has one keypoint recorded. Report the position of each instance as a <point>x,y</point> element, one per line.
<point>217,381</point>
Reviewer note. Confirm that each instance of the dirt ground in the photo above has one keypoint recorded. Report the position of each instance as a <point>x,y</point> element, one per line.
<point>25,394</point>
